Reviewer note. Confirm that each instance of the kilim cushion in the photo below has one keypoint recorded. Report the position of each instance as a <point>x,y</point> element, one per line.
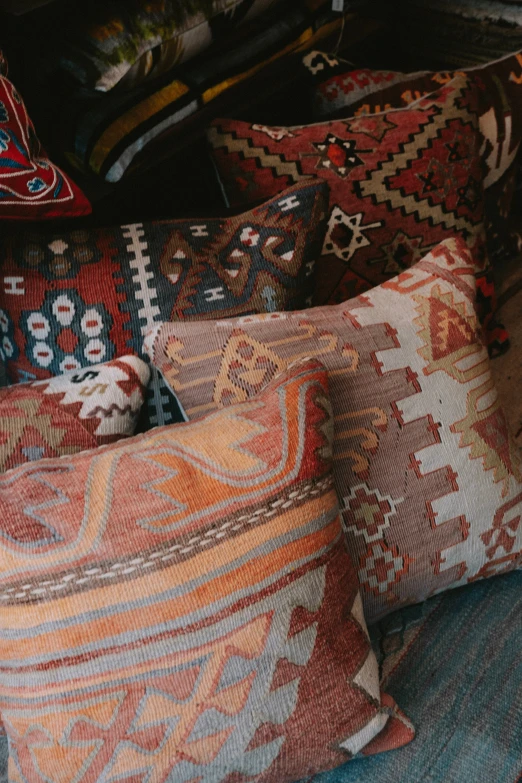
<point>183,606</point>
<point>429,482</point>
<point>76,411</point>
<point>31,187</point>
<point>74,299</point>
<point>339,89</point>
<point>400,182</point>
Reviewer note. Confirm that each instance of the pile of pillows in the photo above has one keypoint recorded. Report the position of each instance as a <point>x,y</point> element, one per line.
<point>313,388</point>
<point>130,81</point>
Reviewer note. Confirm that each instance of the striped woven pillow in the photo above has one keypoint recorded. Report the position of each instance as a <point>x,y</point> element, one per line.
<point>182,607</point>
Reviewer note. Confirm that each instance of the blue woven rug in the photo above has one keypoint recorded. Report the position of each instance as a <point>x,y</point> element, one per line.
<point>454,665</point>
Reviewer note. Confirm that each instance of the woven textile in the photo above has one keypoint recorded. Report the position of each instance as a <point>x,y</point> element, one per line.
<point>204,622</point>
<point>73,299</point>
<point>122,43</point>
<point>31,187</point>
<point>454,663</point>
<point>71,413</point>
<point>418,422</point>
<point>400,182</point>
<point>107,134</point>
<point>339,89</point>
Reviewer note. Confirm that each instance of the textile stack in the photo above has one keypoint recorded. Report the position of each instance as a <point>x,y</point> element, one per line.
<point>260,411</point>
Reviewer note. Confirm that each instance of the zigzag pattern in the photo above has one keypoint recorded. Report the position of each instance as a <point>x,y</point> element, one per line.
<point>187,589</point>
<point>388,178</point>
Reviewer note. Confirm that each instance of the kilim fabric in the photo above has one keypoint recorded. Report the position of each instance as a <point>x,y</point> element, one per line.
<point>436,660</point>
<point>71,413</point>
<point>338,89</point>
<point>183,607</point>
<point>77,298</point>
<point>121,44</point>
<point>454,664</point>
<point>429,481</point>
<point>400,182</point>
<point>31,186</point>
<point>106,135</point>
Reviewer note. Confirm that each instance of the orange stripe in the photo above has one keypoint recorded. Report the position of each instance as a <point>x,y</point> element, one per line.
<point>249,574</point>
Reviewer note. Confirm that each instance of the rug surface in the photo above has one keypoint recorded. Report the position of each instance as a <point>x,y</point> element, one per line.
<point>454,663</point>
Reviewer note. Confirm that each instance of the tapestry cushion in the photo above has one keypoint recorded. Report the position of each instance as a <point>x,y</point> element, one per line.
<point>77,298</point>
<point>203,620</point>
<point>31,186</point>
<point>429,481</point>
<point>400,182</point>
<point>114,44</point>
<point>337,89</point>
<point>72,412</point>
<point>110,135</point>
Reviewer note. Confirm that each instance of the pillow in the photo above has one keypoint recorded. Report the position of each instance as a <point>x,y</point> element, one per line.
<point>338,89</point>
<point>130,130</point>
<point>117,46</point>
<point>74,299</point>
<point>429,482</point>
<point>70,413</point>
<point>400,182</point>
<point>31,186</point>
<point>114,44</point>
<point>183,606</point>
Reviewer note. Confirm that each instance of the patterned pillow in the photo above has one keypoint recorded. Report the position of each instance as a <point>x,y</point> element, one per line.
<point>117,44</point>
<point>339,89</point>
<point>400,183</point>
<point>183,606</point>
<point>107,135</point>
<point>430,485</point>
<point>77,298</point>
<point>71,413</point>
<point>31,187</point>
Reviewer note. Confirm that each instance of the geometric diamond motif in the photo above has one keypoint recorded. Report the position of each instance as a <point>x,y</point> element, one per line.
<point>381,567</point>
<point>367,512</point>
<point>338,155</point>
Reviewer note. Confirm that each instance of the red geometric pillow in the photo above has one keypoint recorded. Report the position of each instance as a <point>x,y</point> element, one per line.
<point>31,187</point>
<point>400,182</point>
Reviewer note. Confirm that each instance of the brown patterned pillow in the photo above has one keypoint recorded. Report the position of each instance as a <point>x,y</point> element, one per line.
<point>430,486</point>
<point>339,90</point>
